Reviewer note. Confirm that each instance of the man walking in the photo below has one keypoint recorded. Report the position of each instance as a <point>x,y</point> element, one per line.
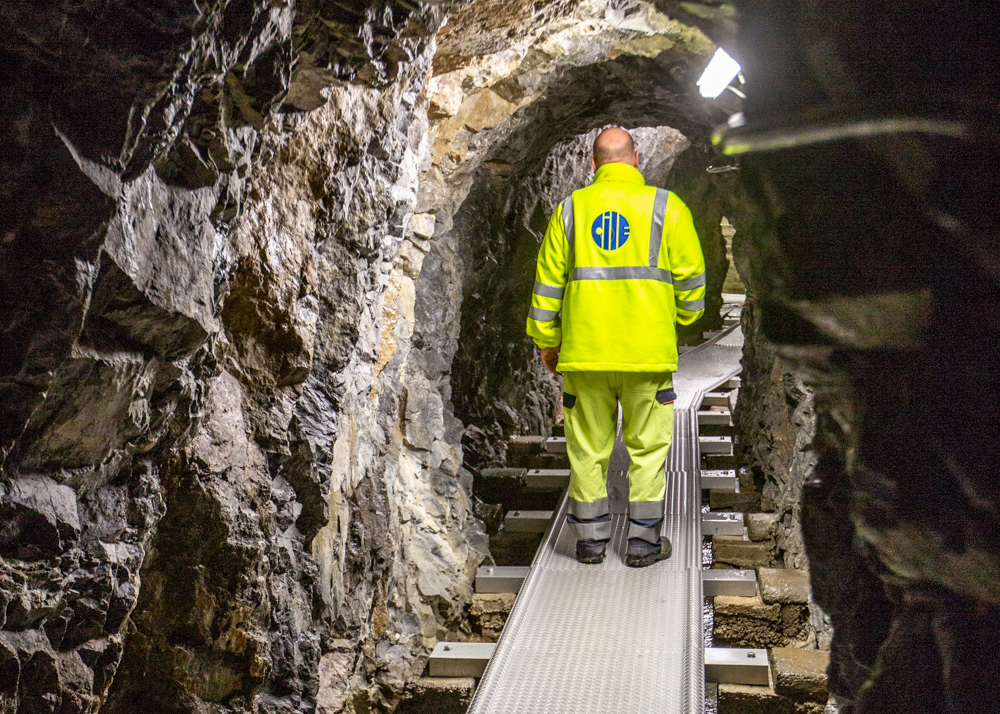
<point>620,263</point>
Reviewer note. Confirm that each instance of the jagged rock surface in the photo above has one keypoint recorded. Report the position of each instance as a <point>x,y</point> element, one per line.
<point>241,244</point>
<point>232,476</point>
<point>776,419</point>
<point>208,498</point>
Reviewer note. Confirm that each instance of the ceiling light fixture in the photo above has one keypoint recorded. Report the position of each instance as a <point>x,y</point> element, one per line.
<point>718,74</point>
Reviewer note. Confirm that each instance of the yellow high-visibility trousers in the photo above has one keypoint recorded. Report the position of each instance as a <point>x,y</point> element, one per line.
<point>590,401</point>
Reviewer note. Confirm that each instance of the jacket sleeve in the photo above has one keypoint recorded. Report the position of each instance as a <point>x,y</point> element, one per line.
<point>687,264</point>
<point>544,323</point>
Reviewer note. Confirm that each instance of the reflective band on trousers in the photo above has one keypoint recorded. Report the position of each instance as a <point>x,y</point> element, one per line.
<point>593,531</point>
<point>650,535</point>
<point>645,509</point>
<point>589,509</point>
<point>691,305</point>
<point>542,315</point>
<point>548,290</point>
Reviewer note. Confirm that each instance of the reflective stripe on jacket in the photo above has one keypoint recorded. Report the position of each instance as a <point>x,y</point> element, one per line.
<point>620,263</point>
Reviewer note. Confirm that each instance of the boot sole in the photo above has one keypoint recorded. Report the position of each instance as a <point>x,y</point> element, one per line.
<point>642,561</point>
<point>592,560</point>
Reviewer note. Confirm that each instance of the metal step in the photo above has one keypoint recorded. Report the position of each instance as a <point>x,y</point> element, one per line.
<point>547,479</point>
<point>730,665</point>
<point>527,521</point>
<point>500,578</point>
<point>728,524</point>
<point>555,445</point>
<point>720,480</point>
<point>715,417</point>
<point>730,583</point>
<point>743,535</point>
<point>716,445</point>
<point>460,659</point>
<point>715,399</point>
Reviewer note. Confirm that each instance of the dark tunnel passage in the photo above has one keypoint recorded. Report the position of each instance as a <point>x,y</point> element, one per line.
<point>264,272</point>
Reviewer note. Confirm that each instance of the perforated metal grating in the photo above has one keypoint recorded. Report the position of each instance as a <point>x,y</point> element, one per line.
<point>606,638</point>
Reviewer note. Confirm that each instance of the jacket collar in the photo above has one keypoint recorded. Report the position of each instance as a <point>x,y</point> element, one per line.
<point>619,172</point>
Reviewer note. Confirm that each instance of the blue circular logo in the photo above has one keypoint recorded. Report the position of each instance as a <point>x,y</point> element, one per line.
<point>610,230</point>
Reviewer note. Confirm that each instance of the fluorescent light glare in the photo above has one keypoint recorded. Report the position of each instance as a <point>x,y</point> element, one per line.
<point>718,74</point>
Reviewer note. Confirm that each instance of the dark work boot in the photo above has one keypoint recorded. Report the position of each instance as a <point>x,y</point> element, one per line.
<point>591,551</point>
<point>641,553</point>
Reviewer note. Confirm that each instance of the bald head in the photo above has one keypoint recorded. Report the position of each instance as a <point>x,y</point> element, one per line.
<point>614,145</point>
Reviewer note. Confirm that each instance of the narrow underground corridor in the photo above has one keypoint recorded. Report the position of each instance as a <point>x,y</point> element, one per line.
<point>266,400</point>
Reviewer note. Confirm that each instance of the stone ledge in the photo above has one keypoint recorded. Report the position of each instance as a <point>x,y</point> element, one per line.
<point>784,585</point>
<point>715,463</point>
<point>438,695</point>
<point>738,501</point>
<point>547,461</point>
<point>729,606</point>
<point>739,553</point>
<point>750,622</point>
<point>522,448</point>
<point>800,674</point>
<point>488,613</point>
<point>760,526</point>
<point>514,548</point>
<point>529,452</point>
<point>747,699</point>
<point>744,699</point>
<point>501,486</point>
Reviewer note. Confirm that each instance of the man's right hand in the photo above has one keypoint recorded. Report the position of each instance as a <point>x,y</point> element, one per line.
<point>550,358</point>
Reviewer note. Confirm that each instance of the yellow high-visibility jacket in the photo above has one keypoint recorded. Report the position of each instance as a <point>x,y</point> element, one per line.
<point>620,263</point>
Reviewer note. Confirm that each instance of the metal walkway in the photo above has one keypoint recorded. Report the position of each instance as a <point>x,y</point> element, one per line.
<point>596,639</point>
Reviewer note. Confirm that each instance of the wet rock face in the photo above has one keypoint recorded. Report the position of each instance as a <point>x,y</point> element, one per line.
<point>231,298</point>
<point>895,330</point>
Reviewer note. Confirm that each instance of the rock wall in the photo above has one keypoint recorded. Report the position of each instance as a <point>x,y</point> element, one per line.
<point>872,265</point>
<point>205,475</point>
<point>775,418</point>
<point>232,293</point>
